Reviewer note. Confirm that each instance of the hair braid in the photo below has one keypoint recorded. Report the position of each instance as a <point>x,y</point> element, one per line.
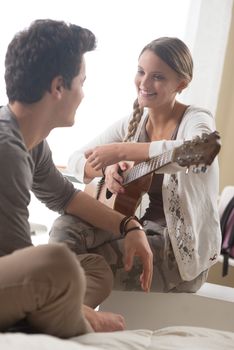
<point>134,122</point>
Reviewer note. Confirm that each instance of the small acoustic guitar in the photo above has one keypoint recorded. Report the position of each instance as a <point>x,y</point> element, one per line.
<point>198,153</point>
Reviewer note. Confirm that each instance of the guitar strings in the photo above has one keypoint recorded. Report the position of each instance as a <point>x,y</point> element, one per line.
<point>148,166</point>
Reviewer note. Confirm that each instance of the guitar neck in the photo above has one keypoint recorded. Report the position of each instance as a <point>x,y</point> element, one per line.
<point>147,167</point>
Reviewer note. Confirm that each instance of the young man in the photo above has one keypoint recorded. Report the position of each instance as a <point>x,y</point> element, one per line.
<point>44,74</point>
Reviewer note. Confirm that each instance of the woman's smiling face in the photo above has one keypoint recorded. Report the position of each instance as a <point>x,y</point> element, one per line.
<point>157,84</point>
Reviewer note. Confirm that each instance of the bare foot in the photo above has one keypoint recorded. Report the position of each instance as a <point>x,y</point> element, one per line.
<point>104,321</point>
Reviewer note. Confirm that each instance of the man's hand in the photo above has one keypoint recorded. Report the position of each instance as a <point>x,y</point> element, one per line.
<point>136,244</point>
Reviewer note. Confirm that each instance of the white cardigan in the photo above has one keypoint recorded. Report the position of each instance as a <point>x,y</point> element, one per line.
<point>190,200</point>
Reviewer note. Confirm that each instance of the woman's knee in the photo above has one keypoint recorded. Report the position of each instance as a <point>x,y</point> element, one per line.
<point>62,226</point>
<point>68,229</point>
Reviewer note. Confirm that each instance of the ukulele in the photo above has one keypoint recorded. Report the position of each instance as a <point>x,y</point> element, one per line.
<point>199,153</point>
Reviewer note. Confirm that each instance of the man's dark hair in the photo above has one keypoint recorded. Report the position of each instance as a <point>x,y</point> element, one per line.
<point>38,54</point>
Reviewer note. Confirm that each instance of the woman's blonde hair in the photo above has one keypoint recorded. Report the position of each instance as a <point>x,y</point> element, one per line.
<point>176,55</point>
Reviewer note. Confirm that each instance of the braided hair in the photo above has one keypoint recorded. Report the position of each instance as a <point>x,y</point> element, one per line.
<point>134,122</point>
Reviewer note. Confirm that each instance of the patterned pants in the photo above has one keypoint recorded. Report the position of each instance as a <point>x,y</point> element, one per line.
<point>82,238</point>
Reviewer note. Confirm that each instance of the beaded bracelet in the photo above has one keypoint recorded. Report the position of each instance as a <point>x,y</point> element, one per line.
<point>123,224</point>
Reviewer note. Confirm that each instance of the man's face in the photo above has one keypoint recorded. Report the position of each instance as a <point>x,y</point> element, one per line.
<point>72,98</point>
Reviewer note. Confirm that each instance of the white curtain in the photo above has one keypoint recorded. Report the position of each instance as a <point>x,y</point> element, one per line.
<point>207,32</point>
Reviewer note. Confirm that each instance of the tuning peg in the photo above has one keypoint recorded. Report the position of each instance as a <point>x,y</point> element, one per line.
<point>199,169</point>
<point>204,169</point>
<point>196,170</point>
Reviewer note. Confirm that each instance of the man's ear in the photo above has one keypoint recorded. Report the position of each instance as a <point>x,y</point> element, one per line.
<point>57,86</point>
<point>182,85</point>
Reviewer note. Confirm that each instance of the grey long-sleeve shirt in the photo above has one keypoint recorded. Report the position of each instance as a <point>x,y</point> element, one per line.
<point>22,171</point>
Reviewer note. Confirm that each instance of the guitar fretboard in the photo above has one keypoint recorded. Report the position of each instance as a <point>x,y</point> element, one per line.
<point>147,167</point>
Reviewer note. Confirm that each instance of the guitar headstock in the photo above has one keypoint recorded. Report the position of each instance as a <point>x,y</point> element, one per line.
<point>200,151</point>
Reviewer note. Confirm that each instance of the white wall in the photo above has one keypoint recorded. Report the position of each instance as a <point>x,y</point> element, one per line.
<point>122,28</point>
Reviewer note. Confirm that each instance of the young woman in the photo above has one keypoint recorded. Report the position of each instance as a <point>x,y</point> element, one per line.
<point>181,220</point>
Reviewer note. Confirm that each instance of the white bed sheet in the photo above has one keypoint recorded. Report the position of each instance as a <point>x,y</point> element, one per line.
<point>170,338</point>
